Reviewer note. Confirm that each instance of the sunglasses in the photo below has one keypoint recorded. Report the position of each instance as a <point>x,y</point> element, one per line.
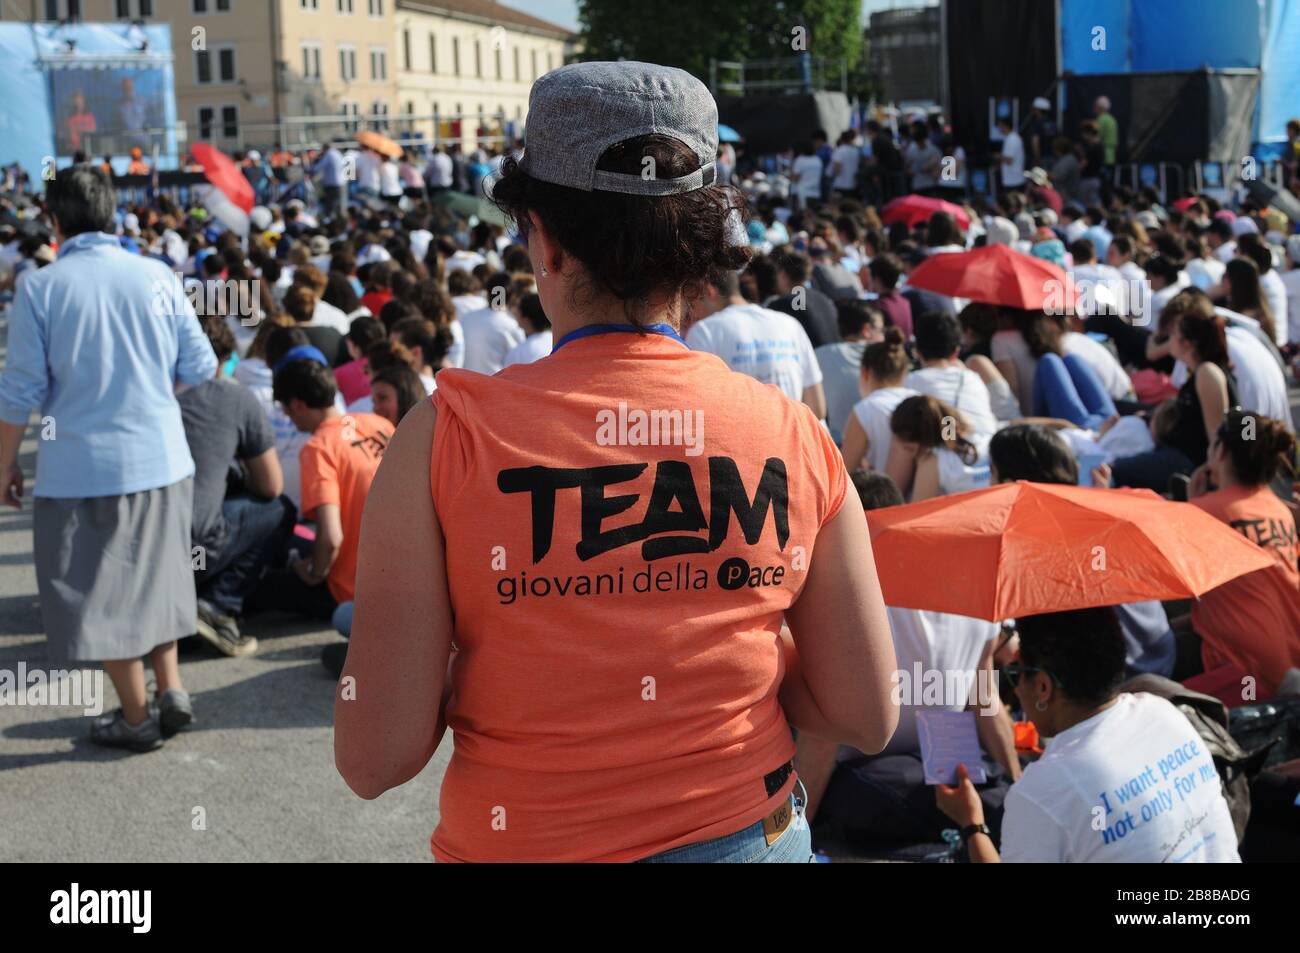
<point>1013,672</point>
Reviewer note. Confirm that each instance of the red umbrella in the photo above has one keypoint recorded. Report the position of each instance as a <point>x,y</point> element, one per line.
<point>916,210</point>
<point>222,172</point>
<point>232,197</point>
<point>1026,548</point>
<point>995,274</point>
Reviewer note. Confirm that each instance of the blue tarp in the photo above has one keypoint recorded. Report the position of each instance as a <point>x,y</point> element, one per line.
<point>1148,36</point>
<point>1279,94</point>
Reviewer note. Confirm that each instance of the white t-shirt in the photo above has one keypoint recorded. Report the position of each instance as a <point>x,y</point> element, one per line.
<point>489,336</point>
<point>873,413</point>
<point>456,353</point>
<point>468,304</point>
<point>1261,385</point>
<point>1013,173</point>
<point>847,157</point>
<point>1226,252</point>
<point>1275,293</point>
<point>958,476</point>
<point>438,172</point>
<point>767,345</point>
<point>809,171</point>
<point>1205,272</point>
<point>927,642</point>
<point>368,174</point>
<point>1291,282</point>
<point>962,388</point>
<point>1140,773</point>
<point>530,349</point>
<point>328,316</point>
<point>1104,364</point>
<point>390,179</point>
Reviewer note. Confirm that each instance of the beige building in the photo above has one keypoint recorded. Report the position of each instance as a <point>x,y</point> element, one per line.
<point>466,66</point>
<point>261,73</point>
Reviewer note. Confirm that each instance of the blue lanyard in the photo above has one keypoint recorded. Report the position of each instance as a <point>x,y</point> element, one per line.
<point>666,330</point>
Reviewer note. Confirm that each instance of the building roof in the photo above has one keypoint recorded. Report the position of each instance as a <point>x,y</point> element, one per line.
<point>489,12</point>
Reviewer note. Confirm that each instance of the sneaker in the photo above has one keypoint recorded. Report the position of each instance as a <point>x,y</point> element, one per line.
<point>112,731</point>
<point>334,657</point>
<point>174,711</point>
<point>222,632</point>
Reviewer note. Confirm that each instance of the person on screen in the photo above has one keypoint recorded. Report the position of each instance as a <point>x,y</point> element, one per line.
<point>133,114</point>
<point>80,121</point>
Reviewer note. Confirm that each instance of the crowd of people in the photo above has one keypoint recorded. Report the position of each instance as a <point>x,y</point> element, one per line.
<point>234,447</point>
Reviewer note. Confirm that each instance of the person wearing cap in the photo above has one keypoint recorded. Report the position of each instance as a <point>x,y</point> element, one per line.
<point>100,352</point>
<point>1108,135</point>
<point>616,597</point>
<point>1040,130</point>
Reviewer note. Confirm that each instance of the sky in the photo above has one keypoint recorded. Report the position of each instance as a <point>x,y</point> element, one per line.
<point>565,12</point>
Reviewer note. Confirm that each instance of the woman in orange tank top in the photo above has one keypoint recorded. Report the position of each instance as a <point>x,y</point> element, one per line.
<point>582,565</point>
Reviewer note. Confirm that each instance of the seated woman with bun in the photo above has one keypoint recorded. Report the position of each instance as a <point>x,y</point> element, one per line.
<point>1124,778</point>
<point>1253,621</point>
<point>867,435</point>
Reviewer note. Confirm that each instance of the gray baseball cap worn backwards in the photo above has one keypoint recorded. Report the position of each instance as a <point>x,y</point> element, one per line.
<point>577,112</point>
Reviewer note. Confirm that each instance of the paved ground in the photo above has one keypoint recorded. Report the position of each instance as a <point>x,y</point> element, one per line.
<point>259,761</point>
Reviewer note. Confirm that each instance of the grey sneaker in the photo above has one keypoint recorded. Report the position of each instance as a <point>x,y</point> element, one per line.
<point>112,731</point>
<point>222,632</point>
<point>174,711</point>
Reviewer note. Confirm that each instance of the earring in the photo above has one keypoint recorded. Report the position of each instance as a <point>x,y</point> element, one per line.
<point>1040,705</point>
<point>545,273</point>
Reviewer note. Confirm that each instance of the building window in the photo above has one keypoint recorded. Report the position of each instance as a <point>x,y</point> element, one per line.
<point>376,7</point>
<point>230,122</point>
<point>517,76</point>
<point>478,58</point>
<point>146,9</point>
<point>455,55</point>
<point>71,10</point>
<point>406,50</point>
<point>224,58</point>
<point>345,6</point>
<point>433,53</point>
<point>204,6</point>
<point>350,110</point>
<point>498,59</point>
<point>311,61</point>
<point>206,116</point>
<point>124,9</point>
<point>347,63</point>
<point>532,54</point>
<point>378,64</point>
<point>309,4</point>
<point>549,62</point>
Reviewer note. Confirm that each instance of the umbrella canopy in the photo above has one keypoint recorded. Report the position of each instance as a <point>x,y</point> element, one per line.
<point>467,205</point>
<point>1027,548</point>
<point>727,134</point>
<point>916,210</point>
<point>995,274</point>
<point>381,144</point>
<point>231,197</point>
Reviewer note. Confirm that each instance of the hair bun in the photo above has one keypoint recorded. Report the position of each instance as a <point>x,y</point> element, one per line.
<point>894,336</point>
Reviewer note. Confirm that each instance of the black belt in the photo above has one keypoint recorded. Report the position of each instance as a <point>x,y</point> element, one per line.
<point>775,781</point>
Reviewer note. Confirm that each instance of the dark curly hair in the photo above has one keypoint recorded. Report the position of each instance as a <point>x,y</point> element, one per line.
<point>634,246</point>
<point>1082,649</point>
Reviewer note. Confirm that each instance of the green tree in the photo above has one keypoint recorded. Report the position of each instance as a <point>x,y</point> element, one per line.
<point>690,34</point>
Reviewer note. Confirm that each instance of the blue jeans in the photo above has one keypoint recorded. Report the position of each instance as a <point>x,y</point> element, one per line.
<point>255,530</point>
<point>1066,387</point>
<point>748,846</point>
<point>1151,470</point>
<point>343,619</point>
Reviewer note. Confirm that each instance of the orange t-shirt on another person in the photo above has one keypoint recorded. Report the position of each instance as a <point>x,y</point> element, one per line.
<point>626,523</point>
<point>338,464</point>
<point>1253,621</point>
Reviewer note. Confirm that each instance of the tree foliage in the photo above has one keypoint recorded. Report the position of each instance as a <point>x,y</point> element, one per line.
<point>691,33</point>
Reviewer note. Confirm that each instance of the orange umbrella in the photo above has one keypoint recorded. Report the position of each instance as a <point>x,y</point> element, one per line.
<point>381,144</point>
<point>1027,548</point>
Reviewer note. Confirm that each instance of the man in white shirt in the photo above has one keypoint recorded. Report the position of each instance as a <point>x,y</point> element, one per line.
<point>1291,282</point>
<point>1012,158</point>
<point>368,175</point>
<point>438,173</point>
<point>491,332</point>
<point>806,174</point>
<point>844,165</point>
<point>1254,248</point>
<point>767,345</point>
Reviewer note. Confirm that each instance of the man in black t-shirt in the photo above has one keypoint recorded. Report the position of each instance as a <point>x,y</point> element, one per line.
<point>233,535</point>
<point>812,309</point>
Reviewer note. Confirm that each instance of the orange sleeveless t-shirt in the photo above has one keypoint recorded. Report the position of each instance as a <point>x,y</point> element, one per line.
<point>626,522</point>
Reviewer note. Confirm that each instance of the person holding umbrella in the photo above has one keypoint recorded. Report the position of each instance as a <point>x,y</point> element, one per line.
<point>1124,778</point>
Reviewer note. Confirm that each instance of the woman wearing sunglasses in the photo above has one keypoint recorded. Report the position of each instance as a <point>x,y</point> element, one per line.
<point>1124,778</point>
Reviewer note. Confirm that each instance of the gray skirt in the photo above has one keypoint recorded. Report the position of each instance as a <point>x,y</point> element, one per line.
<point>114,573</point>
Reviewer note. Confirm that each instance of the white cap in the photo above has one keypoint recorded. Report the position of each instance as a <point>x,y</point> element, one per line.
<point>254,155</point>
<point>1244,226</point>
<point>260,218</point>
<point>131,224</point>
<point>1042,102</point>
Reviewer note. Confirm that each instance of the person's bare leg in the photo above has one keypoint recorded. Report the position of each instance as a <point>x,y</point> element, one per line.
<point>166,667</point>
<point>127,676</point>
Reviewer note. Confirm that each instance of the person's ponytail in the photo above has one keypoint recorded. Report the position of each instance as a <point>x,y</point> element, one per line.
<point>887,360</point>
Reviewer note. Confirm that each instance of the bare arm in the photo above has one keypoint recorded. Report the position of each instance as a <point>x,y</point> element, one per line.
<point>815,398</point>
<point>842,633</point>
<point>265,478</point>
<point>926,485</point>
<point>900,466</point>
<point>855,445</point>
<point>992,723</point>
<point>402,630</point>
<point>1008,370</point>
<point>1212,388</point>
<point>329,539</point>
<point>814,761</point>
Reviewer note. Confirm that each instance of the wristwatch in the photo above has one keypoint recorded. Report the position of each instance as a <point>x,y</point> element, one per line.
<point>972,829</point>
